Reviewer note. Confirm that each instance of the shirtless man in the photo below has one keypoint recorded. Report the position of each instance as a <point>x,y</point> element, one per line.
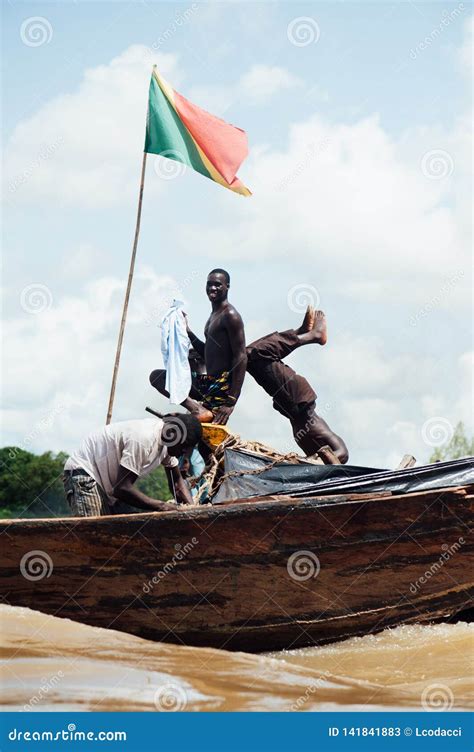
<point>224,355</point>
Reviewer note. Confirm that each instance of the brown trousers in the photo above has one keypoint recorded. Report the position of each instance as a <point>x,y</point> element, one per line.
<point>292,394</point>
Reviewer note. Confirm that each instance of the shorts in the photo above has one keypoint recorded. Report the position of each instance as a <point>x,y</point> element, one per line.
<point>213,390</point>
<point>85,497</point>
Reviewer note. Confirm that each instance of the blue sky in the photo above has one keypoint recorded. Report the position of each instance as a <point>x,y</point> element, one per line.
<point>362,56</point>
<point>360,166</point>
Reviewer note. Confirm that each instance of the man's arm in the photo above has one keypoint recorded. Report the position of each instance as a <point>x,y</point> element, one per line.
<point>125,490</point>
<point>195,341</point>
<point>178,486</point>
<point>235,330</point>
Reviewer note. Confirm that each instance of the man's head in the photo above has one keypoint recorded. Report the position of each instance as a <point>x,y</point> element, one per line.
<point>217,285</point>
<point>181,432</point>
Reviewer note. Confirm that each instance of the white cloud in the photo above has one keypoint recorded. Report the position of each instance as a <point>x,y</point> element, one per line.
<point>350,197</point>
<point>84,148</point>
<point>347,200</point>
<point>60,366</point>
<point>262,82</point>
<point>258,86</point>
<point>392,216</point>
<point>60,360</point>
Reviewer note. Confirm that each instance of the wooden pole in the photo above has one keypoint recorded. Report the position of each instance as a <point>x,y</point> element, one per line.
<point>127,296</point>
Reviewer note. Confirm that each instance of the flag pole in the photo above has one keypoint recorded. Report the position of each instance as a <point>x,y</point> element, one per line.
<point>127,295</point>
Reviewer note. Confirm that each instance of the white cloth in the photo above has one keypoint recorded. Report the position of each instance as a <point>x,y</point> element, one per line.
<point>135,444</point>
<point>175,349</point>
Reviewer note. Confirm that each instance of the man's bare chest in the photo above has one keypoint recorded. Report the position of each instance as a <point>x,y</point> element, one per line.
<point>215,327</point>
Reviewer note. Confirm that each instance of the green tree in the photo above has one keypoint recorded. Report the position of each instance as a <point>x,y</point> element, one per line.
<point>459,446</point>
<point>30,484</point>
<point>155,485</point>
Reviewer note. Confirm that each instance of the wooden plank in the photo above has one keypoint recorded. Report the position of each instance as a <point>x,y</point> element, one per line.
<point>408,460</point>
<point>328,456</point>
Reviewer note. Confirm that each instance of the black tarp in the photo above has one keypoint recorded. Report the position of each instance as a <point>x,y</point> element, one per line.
<point>313,480</point>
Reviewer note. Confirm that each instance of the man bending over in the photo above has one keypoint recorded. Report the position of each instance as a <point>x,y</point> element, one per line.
<point>109,461</point>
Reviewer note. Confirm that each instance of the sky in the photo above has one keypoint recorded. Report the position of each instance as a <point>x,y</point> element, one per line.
<point>359,118</point>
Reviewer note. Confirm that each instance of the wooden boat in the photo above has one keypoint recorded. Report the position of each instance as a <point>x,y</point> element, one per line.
<point>253,575</point>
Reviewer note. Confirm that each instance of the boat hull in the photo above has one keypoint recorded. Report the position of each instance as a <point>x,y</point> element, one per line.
<point>255,576</point>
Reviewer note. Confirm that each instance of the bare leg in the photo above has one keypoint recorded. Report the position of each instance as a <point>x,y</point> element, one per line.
<point>311,432</point>
<point>158,381</point>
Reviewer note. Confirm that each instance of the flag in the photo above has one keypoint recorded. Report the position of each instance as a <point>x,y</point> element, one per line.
<point>179,130</point>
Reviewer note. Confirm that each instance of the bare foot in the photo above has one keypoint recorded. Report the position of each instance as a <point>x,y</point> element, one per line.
<point>308,321</point>
<point>318,334</point>
<point>320,328</point>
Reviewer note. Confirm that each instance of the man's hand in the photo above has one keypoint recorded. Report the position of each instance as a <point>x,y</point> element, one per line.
<point>185,316</point>
<point>178,486</point>
<point>222,415</point>
<point>125,490</point>
<point>162,506</point>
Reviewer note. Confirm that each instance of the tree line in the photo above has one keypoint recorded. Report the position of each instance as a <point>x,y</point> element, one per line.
<point>31,484</point>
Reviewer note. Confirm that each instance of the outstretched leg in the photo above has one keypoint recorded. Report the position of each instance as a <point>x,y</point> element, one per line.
<point>311,432</point>
<point>292,394</point>
<point>278,345</point>
<point>158,381</point>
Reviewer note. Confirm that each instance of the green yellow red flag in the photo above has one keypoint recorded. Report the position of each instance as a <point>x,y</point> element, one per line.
<point>180,130</point>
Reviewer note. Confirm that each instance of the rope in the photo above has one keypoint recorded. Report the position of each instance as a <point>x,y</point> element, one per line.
<point>213,476</point>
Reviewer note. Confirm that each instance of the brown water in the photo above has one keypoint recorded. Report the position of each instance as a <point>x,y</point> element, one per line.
<point>56,664</point>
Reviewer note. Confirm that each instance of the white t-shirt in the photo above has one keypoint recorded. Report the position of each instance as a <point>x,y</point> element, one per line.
<point>134,444</point>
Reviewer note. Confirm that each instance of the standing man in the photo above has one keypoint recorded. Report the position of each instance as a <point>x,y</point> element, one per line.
<point>224,355</point>
<point>292,394</point>
<point>109,461</point>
